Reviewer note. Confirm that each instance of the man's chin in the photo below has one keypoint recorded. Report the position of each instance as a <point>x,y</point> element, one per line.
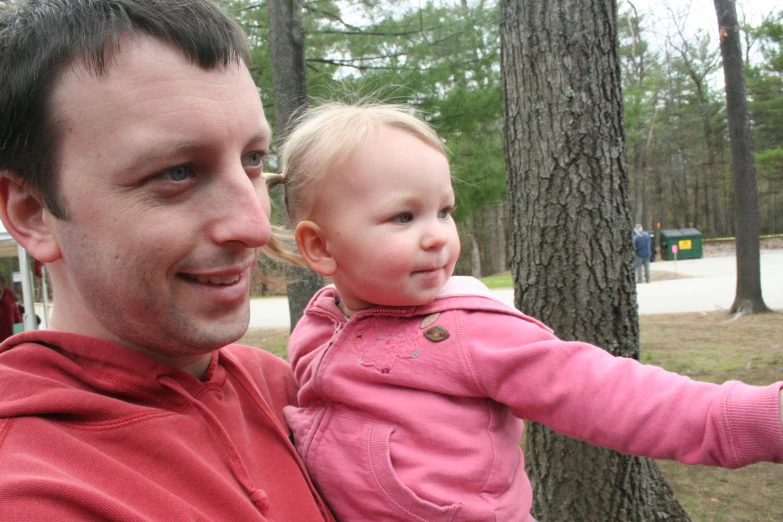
<point>228,334</point>
<point>207,335</point>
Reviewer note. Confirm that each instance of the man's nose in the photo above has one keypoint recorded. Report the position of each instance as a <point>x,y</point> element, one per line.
<point>243,211</point>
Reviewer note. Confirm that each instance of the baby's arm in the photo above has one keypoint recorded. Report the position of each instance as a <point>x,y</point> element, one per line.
<point>586,393</point>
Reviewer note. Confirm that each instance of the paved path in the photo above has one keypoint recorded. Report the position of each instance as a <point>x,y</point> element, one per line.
<point>269,312</point>
<point>710,286</point>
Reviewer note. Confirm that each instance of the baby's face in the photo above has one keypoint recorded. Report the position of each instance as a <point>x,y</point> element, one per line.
<point>386,212</point>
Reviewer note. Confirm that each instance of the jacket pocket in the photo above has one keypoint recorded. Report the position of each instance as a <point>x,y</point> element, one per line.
<point>378,438</point>
<point>350,463</point>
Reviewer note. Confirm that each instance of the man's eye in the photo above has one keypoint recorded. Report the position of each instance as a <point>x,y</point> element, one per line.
<point>254,159</point>
<point>446,212</point>
<point>178,173</point>
<point>405,217</point>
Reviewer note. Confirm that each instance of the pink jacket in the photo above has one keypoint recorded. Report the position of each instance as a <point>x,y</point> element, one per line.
<point>396,426</point>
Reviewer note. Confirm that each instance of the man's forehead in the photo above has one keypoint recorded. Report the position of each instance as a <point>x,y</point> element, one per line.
<point>143,71</point>
<point>135,59</point>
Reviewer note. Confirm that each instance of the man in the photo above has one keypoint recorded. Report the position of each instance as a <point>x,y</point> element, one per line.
<point>132,138</point>
<point>9,311</point>
<point>643,247</point>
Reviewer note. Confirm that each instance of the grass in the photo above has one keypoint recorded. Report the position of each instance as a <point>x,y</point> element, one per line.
<point>714,347</point>
<point>498,280</point>
<point>709,347</point>
<point>504,280</point>
<point>273,340</point>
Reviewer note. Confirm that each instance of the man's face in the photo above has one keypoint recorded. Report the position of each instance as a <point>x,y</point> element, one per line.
<point>160,171</point>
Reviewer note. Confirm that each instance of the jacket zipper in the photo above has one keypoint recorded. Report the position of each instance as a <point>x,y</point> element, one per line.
<point>340,324</point>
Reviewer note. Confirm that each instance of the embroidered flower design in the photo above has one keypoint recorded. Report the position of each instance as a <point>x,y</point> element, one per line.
<point>384,350</point>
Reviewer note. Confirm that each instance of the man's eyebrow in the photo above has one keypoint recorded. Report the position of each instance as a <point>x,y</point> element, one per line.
<point>156,155</point>
<point>174,147</point>
<point>263,134</point>
<point>167,148</point>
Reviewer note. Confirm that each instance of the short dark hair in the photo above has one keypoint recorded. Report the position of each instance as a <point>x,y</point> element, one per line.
<point>40,38</point>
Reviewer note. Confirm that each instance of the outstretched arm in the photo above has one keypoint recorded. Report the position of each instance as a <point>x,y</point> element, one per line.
<point>586,393</point>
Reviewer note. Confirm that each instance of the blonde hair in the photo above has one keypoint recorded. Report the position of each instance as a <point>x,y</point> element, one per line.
<point>326,134</point>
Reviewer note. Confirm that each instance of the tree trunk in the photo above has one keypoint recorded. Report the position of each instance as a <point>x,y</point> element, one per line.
<point>289,75</point>
<point>572,257</point>
<point>475,257</point>
<point>710,186</point>
<point>488,230</point>
<point>472,245</point>
<point>289,83</point>
<point>748,298</point>
<point>710,217</point>
<point>638,183</point>
<point>497,227</point>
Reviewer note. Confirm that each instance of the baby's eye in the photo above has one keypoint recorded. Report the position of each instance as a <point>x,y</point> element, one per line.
<point>178,173</point>
<point>445,212</point>
<point>405,217</point>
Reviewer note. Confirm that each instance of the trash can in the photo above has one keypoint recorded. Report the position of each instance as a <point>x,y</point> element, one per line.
<point>687,240</point>
<point>653,246</point>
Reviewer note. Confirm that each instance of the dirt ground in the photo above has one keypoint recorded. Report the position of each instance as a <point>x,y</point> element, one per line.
<point>725,248</point>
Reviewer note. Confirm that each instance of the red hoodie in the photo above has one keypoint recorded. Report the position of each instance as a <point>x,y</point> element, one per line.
<point>90,430</point>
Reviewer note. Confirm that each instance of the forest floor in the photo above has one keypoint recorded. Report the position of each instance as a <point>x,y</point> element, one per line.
<point>709,347</point>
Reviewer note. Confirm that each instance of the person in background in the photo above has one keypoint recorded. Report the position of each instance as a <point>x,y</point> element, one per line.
<point>9,311</point>
<point>20,305</point>
<point>643,248</point>
<point>131,145</point>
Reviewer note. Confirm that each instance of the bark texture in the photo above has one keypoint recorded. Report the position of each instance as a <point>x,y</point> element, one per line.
<point>496,229</point>
<point>289,75</point>
<point>746,216</point>
<point>289,83</point>
<point>572,254</point>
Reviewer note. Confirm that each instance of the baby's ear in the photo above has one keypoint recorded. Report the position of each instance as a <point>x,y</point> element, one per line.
<point>25,217</point>
<point>312,244</point>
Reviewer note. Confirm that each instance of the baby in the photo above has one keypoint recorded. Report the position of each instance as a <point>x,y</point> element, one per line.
<point>413,382</point>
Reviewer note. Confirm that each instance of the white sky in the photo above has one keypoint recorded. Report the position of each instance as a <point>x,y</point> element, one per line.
<point>700,13</point>
<point>660,17</point>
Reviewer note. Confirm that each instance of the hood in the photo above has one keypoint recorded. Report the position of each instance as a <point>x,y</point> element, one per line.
<point>459,293</point>
<point>75,378</point>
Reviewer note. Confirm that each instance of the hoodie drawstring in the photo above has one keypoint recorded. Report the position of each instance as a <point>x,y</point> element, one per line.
<point>258,496</point>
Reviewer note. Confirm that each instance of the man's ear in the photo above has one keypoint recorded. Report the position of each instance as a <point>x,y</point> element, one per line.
<point>26,218</point>
<point>312,245</point>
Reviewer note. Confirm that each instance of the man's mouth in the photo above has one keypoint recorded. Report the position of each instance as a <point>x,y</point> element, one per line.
<point>214,280</point>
